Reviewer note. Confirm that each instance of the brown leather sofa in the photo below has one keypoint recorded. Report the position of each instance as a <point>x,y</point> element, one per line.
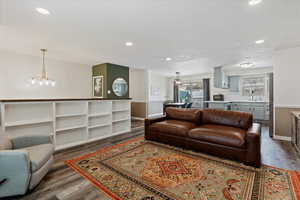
<point>227,134</point>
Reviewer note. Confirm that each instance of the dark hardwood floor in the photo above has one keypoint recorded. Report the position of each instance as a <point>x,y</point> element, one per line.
<point>277,153</point>
<point>62,183</point>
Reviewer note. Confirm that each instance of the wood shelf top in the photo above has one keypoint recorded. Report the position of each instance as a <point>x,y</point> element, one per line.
<point>60,99</point>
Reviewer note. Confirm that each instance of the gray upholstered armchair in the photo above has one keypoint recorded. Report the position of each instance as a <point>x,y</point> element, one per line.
<point>24,161</point>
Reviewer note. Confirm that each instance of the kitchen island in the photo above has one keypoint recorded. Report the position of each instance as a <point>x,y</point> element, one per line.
<point>259,109</point>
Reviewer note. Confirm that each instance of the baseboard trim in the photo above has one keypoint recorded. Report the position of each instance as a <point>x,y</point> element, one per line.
<point>284,138</point>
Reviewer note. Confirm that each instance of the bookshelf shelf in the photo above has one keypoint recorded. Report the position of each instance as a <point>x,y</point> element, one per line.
<point>68,122</point>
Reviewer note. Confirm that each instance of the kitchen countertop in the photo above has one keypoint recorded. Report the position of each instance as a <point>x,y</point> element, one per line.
<point>217,101</point>
<point>240,101</point>
<point>61,99</point>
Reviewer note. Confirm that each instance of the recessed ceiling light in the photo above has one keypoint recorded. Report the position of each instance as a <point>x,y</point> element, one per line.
<point>129,44</point>
<point>254,2</point>
<point>168,59</point>
<point>259,41</point>
<point>43,11</point>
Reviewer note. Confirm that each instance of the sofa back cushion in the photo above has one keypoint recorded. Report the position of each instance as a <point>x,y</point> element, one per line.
<point>191,115</point>
<point>241,120</point>
<point>5,143</point>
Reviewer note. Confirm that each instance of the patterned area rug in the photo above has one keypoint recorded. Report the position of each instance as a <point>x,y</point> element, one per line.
<point>143,170</point>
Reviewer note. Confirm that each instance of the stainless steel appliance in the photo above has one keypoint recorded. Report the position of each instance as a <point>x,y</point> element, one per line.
<point>218,97</point>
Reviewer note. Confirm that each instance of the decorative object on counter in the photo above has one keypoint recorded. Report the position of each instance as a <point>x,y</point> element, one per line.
<point>43,79</point>
<point>115,80</point>
<point>120,87</point>
<point>98,86</point>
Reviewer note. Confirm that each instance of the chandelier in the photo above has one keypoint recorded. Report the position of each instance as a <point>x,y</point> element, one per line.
<point>43,79</point>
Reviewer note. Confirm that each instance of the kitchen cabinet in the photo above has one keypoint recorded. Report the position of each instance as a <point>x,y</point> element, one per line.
<point>234,83</point>
<point>220,79</point>
<point>258,110</point>
<point>218,105</point>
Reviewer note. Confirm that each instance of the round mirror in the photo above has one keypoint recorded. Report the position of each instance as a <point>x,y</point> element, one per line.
<point>120,87</point>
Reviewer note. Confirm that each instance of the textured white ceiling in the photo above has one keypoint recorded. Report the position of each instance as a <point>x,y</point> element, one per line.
<point>197,34</point>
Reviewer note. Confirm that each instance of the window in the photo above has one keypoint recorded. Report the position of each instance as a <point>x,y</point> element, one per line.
<point>253,86</point>
<point>191,92</point>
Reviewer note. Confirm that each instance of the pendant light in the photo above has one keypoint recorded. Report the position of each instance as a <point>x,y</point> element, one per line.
<point>177,79</point>
<point>247,63</point>
<point>43,79</point>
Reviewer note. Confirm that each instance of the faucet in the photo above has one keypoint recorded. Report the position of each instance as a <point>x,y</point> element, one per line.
<point>252,94</point>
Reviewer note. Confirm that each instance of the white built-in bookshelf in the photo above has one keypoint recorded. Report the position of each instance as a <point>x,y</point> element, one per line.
<point>69,123</point>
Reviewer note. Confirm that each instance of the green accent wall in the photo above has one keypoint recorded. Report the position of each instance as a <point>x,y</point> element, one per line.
<point>101,70</point>
<point>110,72</point>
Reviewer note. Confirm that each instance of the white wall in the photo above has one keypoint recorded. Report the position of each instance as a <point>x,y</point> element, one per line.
<point>158,93</point>
<point>72,80</point>
<point>149,88</point>
<point>138,80</point>
<point>158,86</point>
<point>286,77</point>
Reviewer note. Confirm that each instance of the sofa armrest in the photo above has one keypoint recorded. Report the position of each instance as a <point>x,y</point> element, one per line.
<point>30,140</point>
<point>150,121</point>
<point>15,170</point>
<point>253,156</point>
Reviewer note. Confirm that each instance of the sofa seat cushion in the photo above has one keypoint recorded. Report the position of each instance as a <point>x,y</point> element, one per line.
<point>174,127</point>
<point>39,155</point>
<point>219,134</point>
